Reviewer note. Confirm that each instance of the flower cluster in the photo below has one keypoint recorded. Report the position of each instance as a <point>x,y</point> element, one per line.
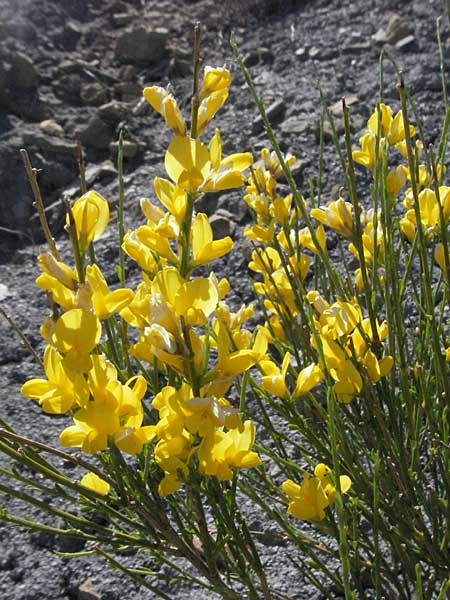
<point>185,331</point>
<point>339,332</point>
<point>432,207</point>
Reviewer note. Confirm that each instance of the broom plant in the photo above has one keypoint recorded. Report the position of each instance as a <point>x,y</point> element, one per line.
<point>177,409</point>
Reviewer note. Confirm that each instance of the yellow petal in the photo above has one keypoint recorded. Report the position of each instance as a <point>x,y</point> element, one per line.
<point>186,155</point>
<point>290,488</point>
<point>77,330</point>
<point>95,483</point>
<point>208,108</point>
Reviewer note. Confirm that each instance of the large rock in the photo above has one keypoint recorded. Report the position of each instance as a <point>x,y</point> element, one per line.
<point>142,46</point>
<point>64,150</point>
<point>23,74</point>
<point>16,199</point>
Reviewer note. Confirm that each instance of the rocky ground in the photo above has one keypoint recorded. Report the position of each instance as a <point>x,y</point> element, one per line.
<point>78,68</point>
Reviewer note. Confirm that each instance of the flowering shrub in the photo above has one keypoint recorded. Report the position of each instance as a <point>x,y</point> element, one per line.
<point>153,378</point>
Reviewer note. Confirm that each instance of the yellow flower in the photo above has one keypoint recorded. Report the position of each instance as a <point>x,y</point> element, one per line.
<point>139,252</point>
<point>75,335</point>
<point>214,79</point>
<point>171,197</point>
<point>208,108</point>
<point>91,215</point>
<point>272,163</point>
<point>193,168</point>
<point>58,279</point>
<point>337,215</point>
<point>429,213</point>
<point>104,302</point>
<point>396,179</point>
<point>203,415</point>
<point>307,379</point>
<point>366,156</point>
<point>61,390</point>
<point>371,237</point>
<point>439,257</point>
<point>220,452</point>
<point>280,209</point>
<point>117,414</point>
<point>309,500</point>
<point>274,379</point>
<point>204,248</point>
<point>392,128</point>
<point>305,239</point>
<point>166,105</point>
<point>348,381</point>
<point>340,319</point>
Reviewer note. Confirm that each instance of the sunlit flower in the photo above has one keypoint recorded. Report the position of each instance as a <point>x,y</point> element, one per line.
<point>166,105</point>
<point>222,451</point>
<point>337,215</point>
<point>193,167</point>
<point>309,500</point>
<point>62,389</point>
<point>91,216</point>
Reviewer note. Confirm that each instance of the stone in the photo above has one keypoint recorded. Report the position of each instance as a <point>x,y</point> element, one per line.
<point>51,127</point>
<point>314,52</point>
<point>296,125</point>
<point>93,94</point>
<point>50,144</point>
<point>69,87</point>
<point>70,544</point>
<point>180,67</point>
<point>397,28</point>
<point>274,113</point>
<point>130,149</point>
<point>407,43</point>
<point>87,591</point>
<point>16,197</point>
<point>113,112</point>
<point>69,35</point>
<point>222,223</point>
<point>301,53</point>
<point>96,134</point>
<point>337,108</point>
<point>24,74</point>
<point>127,73</point>
<point>101,173</point>
<point>54,174</point>
<point>296,171</point>
<point>141,108</point>
<point>122,19</point>
<point>356,48</point>
<point>127,90</point>
<point>4,293</point>
<point>141,45</point>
